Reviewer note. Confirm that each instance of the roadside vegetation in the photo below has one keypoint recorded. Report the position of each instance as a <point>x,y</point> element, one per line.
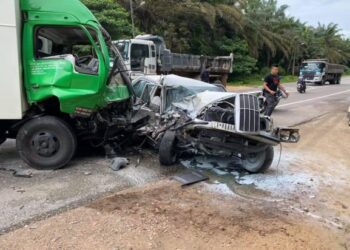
<point>257,80</point>
<point>258,32</point>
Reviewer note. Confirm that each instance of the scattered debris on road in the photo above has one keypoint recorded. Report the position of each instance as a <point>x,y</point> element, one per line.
<point>24,173</point>
<point>190,178</point>
<point>119,163</point>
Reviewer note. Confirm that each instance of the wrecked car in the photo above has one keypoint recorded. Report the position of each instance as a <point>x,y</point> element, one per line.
<point>187,116</point>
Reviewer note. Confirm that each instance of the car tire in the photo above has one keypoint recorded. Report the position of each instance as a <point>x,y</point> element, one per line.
<point>46,143</point>
<point>167,154</point>
<point>258,162</point>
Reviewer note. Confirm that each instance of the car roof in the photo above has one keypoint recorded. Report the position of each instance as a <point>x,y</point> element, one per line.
<point>175,80</point>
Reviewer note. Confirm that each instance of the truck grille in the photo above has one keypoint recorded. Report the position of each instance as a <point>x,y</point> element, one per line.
<point>309,76</point>
<point>249,115</point>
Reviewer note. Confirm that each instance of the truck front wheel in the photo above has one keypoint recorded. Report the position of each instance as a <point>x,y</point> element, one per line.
<point>338,80</point>
<point>46,143</point>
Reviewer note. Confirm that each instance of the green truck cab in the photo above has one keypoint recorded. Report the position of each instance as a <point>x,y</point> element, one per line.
<point>65,88</point>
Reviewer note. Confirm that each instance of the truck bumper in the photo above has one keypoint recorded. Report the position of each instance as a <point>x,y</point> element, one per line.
<point>279,135</point>
<point>313,81</point>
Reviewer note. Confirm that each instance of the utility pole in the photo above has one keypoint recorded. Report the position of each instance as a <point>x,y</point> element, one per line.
<point>132,18</point>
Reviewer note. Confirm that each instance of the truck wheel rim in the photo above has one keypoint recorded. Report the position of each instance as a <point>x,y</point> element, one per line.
<point>45,144</point>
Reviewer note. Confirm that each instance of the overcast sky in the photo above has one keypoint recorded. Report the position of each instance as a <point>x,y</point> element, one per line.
<point>323,11</point>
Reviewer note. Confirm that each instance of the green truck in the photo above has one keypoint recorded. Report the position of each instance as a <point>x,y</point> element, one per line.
<point>58,86</point>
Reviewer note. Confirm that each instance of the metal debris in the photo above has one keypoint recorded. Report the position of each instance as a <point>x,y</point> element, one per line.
<point>118,163</point>
<point>190,178</point>
<point>26,173</point>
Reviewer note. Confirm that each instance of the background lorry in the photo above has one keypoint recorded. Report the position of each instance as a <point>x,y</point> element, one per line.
<point>148,55</point>
<point>58,88</point>
<point>320,71</point>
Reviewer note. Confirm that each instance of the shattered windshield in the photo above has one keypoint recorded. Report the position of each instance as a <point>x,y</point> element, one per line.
<point>179,93</point>
<point>115,57</point>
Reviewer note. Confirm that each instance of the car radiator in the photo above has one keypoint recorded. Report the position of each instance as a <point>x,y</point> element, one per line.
<point>247,114</point>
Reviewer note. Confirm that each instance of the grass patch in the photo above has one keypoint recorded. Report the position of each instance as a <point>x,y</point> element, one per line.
<point>257,80</point>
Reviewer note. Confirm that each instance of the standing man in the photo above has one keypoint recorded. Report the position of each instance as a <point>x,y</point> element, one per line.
<point>271,85</point>
<point>205,76</point>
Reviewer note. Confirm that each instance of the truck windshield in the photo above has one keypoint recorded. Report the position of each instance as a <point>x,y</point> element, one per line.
<point>123,47</point>
<point>313,66</point>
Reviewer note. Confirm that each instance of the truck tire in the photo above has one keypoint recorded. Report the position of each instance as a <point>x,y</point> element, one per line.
<point>258,162</point>
<point>323,82</point>
<point>338,80</point>
<point>46,143</point>
<point>167,154</point>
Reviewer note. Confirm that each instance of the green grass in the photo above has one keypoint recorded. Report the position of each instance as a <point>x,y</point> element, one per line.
<point>257,80</point>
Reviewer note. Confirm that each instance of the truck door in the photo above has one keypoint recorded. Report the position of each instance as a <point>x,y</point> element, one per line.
<point>64,62</point>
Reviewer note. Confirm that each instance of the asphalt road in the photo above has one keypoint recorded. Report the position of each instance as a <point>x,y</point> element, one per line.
<point>316,102</point>
<point>49,192</point>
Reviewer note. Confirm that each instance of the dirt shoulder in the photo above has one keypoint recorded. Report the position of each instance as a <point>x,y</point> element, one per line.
<point>166,216</point>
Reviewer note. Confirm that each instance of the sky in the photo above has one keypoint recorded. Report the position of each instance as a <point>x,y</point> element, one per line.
<point>324,11</point>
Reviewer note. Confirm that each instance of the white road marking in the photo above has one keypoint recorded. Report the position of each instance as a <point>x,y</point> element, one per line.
<point>316,98</point>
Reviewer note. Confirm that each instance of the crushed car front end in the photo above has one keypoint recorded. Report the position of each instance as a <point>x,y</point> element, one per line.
<point>186,116</point>
<point>232,126</point>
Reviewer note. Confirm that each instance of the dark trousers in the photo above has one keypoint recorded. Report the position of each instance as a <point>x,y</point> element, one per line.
<point>271,101</point>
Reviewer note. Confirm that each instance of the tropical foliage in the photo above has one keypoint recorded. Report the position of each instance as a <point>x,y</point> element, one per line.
<point>258,31</point>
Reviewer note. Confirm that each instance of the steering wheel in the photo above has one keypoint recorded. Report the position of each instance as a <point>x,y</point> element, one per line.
<point>83,59</point>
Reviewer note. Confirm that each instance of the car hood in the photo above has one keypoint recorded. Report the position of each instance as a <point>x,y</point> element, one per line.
<point>196,103</point>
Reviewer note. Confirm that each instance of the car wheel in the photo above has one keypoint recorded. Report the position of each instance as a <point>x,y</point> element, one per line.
<point>258,162</point>
<point>167,153</point>
<point>46,143</point>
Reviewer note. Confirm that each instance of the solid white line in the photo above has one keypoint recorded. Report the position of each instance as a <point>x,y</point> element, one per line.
<point>316,98</point>
<point>7,25</point>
